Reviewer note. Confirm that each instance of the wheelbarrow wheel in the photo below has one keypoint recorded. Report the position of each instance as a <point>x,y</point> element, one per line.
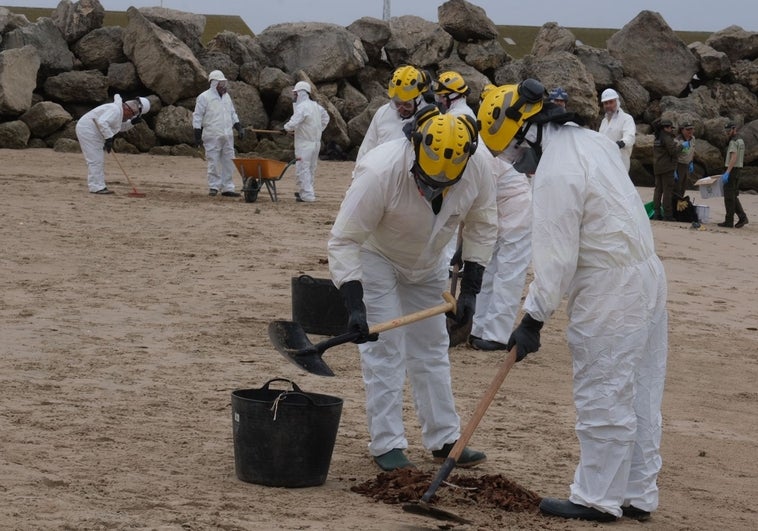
<point>250,189</point>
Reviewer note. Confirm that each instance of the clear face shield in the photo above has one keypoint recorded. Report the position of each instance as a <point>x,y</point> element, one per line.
<point>405,109</point>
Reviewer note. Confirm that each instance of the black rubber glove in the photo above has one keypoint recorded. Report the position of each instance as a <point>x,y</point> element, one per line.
<point>352,293</point>
<point>457,258</point>
<point>240,130</point>
<point>136,120</point>
<point>198,138</point>
<point>108,146</point>
<point>471,283</point>
<point>526,337</point>
<point>620,144</point>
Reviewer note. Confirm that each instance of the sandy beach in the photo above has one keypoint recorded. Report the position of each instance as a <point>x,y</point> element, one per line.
<point>127,322</point>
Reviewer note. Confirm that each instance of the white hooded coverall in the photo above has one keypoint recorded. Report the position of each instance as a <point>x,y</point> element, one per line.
<point>308,121</point>
<point>458,107</point>
<point>387,236</point>
<point>92,130</point>
<point>503,284</point>
<point>385,125</point>
<point>216,116</point>
<point>620,126</point>
<point>592,241</point>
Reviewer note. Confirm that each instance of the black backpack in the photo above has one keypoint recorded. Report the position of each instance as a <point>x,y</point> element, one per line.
<point>683,209</point>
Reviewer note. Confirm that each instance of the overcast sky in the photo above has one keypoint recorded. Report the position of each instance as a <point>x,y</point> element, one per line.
<point>694,15</point>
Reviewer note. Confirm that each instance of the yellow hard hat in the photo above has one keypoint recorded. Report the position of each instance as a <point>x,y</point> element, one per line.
<point>443,144</point>
<point>451,81</point>
<point>406,84</point>
<point>504,110</point>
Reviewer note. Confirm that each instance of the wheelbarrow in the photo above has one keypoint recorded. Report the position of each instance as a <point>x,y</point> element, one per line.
<point>258,172</point>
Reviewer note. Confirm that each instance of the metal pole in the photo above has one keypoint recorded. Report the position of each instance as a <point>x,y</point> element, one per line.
<point>386,11</point>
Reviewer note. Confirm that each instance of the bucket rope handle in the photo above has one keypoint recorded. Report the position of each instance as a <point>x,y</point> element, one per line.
<point>285,394</point>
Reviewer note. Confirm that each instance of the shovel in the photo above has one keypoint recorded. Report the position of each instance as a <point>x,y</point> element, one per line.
<point>290,340</point>
<point>423,507</point>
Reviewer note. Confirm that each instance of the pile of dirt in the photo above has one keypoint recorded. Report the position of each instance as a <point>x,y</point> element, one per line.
<point>410,484</point>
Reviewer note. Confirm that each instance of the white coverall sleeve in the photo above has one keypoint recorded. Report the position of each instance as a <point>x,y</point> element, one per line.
<point>201,103</point>
<point>628,131</point>
<point>360,213</point>
<point>109,121</point>
<point>480,223</point>
<point>235,118</point>
<point>558,209</point>
<point>296,119</point>
<point>370,140</point>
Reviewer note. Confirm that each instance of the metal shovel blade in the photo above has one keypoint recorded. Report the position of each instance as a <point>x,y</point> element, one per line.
<point>424,509</point>
<point>289,338</point>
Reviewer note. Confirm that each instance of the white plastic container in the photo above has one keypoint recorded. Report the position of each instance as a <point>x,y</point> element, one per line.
<point>703,213</point>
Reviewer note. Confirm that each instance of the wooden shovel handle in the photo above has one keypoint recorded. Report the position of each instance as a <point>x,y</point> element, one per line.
<point>483,404</point>
<point>448,306</point>
<point>271,131</point>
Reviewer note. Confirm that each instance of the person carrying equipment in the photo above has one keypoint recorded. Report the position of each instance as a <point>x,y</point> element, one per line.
<point>405,90</point>
<point>97,130</point>
<point>308,121</point>
<point>214,121</point>
<point>385,256</point>
<point>592,243</point>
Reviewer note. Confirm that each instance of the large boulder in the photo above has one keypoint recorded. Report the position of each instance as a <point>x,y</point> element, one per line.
<point>485,56</point>
<point>605,69</point>
<point>164,64</point>
<point>100,48</point>
<point>565,70</point>
<point>187,27</point>
<point>141,137</point>
<point>713,64</point>
<point>746,73</point>
<point>271,81</point>
<point>215,60</point>
<point>173,125</point>
<point>10,21</point>
<point>323,51</point>
<point>735,100</point>
<point>418,42</point>
<point>465,21</point>
<point>122,77</point>
<point>248,104</point>
<point>45,118</point>
<point>18,79</point>
<point>358,126</point>
<point>242,49</point>
<point>553,38</point>
<point>78,86</point>
<point>653,54</point>
<point>14,135</point>
<point>735,42</point>
<point>634,96</point>
<point>374,34</point>
<point>76,19</point>
<point>44,35</point>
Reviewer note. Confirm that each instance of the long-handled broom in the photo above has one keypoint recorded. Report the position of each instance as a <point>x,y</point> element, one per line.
<point>134,192</point>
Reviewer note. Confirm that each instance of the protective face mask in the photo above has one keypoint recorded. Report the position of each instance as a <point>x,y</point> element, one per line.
<point>528,161</point>
<point>429,192</point>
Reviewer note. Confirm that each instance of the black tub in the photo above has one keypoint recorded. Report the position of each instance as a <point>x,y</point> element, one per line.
<point>284,438</point>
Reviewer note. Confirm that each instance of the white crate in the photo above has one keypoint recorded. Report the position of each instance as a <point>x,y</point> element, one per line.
<point>715,189</point>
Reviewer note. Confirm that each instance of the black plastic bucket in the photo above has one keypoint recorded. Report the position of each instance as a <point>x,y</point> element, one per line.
<point>284,438</point>
<point>318,307</point>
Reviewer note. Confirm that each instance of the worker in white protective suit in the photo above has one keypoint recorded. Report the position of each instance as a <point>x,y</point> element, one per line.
<point>505,276</point>
<point>96,132</point>
<point>308,121</point>
<point>214,122</point>
<point>592,242</point>
<point>405,91</point>
<point>403,205</point>
<point>618,125</point>
<point>450,90</point>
